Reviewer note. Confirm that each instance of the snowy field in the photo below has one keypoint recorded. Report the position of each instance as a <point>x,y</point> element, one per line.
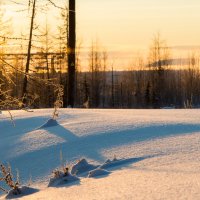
<point>160,151</point>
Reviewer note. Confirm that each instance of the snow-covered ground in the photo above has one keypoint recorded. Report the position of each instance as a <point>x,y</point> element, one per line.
<point>160,149</point>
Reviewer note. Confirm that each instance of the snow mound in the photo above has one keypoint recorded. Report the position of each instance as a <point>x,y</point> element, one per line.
<point>98,172</point>
<point>82,166</point>
<point>49,123</point>
<point>111,163</point>
<point>24,191</point>
<point>62,179</point>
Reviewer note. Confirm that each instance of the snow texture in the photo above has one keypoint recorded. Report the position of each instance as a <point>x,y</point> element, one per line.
<point>24,192</point>
<point>158,153</point>
<point>82,166</point>
<point>49,123</point>
<point>98,172</point>
<point>62,180</point>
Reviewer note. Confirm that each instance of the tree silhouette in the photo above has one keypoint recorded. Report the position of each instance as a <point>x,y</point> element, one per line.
<point>71,55</point>
<point>25,82</point>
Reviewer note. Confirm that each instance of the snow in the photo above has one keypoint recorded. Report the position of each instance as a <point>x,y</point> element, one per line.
<point>24,190</point>
<point>62,180</point>
<point>157,151</point>
<point>49,123</point>
<point>82,166</point>
<point>116,163</point>
<point>98,172</point>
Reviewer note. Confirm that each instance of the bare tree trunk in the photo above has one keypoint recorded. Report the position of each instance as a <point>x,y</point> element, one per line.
<point>25,82</point>
<point>47,64</point>
<point>113,100</point>
<point>104,77</point>
<point>71,53</point>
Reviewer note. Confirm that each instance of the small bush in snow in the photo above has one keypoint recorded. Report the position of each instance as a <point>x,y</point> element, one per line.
<point>59,101</point>
<point>61,177</point>
<point>58,173</point>
<point>7,177</point>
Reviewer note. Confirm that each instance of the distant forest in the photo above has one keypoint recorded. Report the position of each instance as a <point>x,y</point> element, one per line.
<point>127,89</point>
<point>51,72</point>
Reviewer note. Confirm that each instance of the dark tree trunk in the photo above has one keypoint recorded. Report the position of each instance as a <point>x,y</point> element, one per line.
<point>71,55</point>
<point>25,82</point>
<point>113,97</point>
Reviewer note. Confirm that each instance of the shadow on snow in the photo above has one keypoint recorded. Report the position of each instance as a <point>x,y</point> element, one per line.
<point>41,162</point>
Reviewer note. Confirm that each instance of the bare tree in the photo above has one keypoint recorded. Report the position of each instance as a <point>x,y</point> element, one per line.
<point>25,82</point>
<point>158,56</point>
<point>105,59</point>
<point>71,54</point>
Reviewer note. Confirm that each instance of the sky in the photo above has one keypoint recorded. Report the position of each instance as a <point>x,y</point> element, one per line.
<point>125,28</point>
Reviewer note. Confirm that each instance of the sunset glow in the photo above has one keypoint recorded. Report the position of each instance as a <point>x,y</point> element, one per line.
<point>126,28</point>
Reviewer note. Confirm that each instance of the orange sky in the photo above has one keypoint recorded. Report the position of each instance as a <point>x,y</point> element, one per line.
<point>126,27</point>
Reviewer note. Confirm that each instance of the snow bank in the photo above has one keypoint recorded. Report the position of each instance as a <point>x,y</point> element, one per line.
<point>121,162</point>
<point>173,136</point>
<point>110,163</point>
<point>24,191</point>
<point>82,166</point>
<point>98,172</point>
<point>49,123</point>
<point>62,180</point>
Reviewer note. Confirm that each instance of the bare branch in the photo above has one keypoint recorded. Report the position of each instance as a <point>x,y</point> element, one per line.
<point>55,5</point>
